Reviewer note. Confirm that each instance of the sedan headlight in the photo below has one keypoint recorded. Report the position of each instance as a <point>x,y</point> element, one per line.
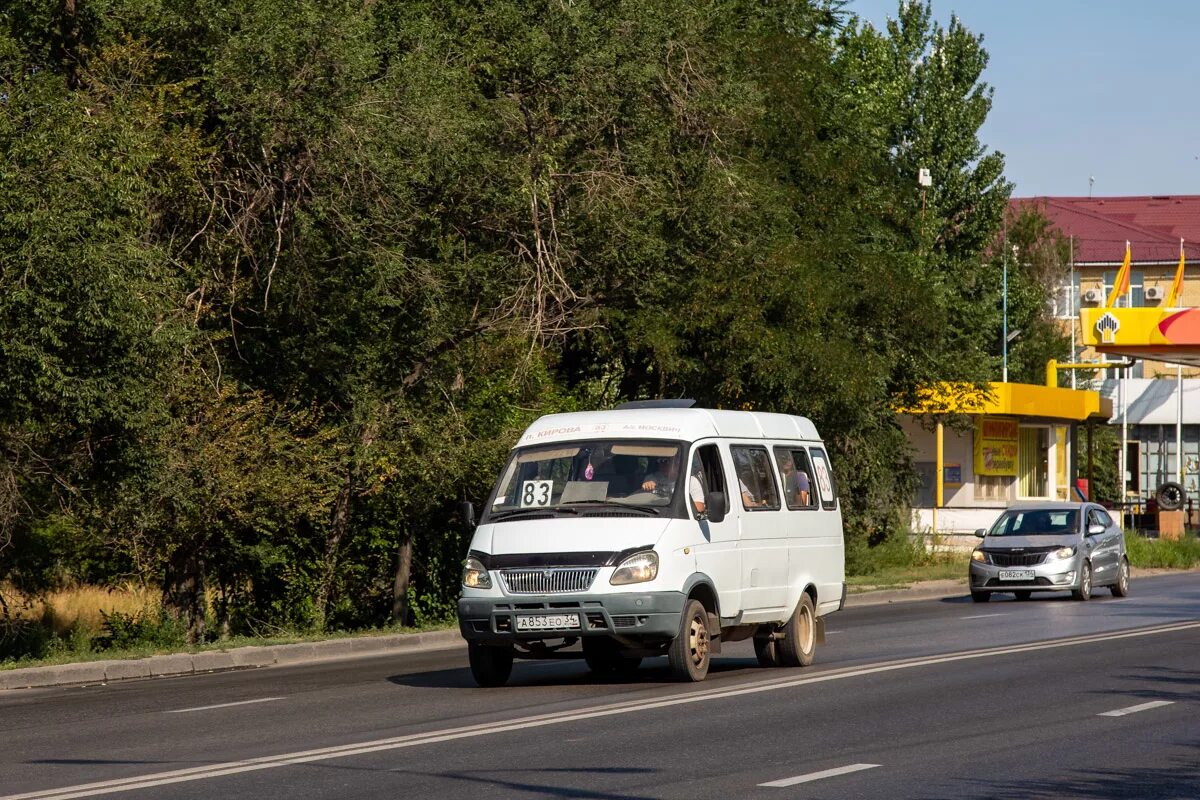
<point>1063,552</point>
<point>977,555</point>
<point>475,575</point>
<point>638,568</point>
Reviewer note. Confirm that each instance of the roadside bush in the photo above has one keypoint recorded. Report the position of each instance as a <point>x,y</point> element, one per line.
<point>123,631</point>
<point>896,551</point>
<point>1182,554</point>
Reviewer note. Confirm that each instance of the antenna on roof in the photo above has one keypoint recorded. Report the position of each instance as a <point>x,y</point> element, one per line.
<point>639,404</point>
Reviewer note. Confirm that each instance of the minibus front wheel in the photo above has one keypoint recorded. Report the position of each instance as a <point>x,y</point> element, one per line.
<point>490,665</point>
<point>689,654</point>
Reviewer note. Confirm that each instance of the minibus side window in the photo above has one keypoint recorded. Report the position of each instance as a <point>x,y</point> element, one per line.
<point>796,475</point>
<point>826,488</point>
<point>706,465</point>
<point>756,482</point>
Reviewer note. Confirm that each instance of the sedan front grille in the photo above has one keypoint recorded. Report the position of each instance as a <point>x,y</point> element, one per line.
<point>559,580</point>
<point>1016,559</point>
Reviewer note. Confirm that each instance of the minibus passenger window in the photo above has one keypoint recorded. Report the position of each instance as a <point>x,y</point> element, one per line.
<point>825,485</point>
<point>796,475</point>
<point>756,482</point>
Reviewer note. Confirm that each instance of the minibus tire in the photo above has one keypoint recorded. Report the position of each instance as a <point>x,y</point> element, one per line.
<point>765,651</point>
<point>490,666</point>
<point>689,654</point>
<point>799,643</point>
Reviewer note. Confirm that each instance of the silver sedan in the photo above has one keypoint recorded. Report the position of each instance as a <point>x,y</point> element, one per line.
<point>1050,547</point>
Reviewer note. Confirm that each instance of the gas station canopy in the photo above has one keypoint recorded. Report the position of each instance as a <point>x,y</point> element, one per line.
<point>1160,334</point>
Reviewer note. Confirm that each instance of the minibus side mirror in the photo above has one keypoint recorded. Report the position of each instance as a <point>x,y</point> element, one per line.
<point>714,506</point>
<point>980,532</point>
<point>466,510</point>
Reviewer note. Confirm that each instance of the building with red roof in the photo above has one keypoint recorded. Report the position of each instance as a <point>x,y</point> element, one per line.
<point>1154,402</point>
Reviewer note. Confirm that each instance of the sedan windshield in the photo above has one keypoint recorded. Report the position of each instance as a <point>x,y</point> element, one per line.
<point>1036,522</point>
<point>564,477</point>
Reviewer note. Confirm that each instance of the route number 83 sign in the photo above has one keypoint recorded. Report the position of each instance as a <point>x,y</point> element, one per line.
<point>536,493</point>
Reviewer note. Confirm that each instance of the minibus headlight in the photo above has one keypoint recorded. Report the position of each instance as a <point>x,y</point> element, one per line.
<point>638,568</point>
<point>475,575</point>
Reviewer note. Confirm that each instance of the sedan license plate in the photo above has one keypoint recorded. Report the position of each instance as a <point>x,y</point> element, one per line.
<point>548,622</point>
<point>1016,574</point>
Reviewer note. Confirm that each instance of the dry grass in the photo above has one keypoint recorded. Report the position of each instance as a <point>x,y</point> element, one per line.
<point>80,607</point>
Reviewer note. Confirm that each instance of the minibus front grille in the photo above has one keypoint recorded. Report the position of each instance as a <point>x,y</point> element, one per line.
<point>559,580</point>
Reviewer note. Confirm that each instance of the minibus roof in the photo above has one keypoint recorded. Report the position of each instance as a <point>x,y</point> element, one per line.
<point>677,424</point>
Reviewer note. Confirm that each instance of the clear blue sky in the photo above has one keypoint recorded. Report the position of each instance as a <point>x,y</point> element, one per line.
<point>1102,87</point>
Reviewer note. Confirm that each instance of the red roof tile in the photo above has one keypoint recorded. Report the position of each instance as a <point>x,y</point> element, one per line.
<point>1100,226</point>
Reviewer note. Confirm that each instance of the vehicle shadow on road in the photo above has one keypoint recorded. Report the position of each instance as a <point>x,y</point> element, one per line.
<point>494,780</point>
<point>1166,683</point>
<point>566,672</point>
<point>1178,781</point>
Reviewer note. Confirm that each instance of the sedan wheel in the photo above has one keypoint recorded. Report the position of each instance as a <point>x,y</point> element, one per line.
<point>1084,592</point>
<point>1121,587</point>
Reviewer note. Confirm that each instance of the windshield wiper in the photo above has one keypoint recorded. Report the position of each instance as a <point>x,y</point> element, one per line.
<point>615,504</point>
<point>532,510</point>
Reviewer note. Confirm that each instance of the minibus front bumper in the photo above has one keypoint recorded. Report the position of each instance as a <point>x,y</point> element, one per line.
<point>648,615</point>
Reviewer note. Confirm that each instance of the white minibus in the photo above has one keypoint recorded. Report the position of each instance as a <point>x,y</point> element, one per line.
<point>655,529</point>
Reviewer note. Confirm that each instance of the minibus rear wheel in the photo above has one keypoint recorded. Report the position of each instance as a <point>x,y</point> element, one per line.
<point>799,642</point>
<point>490,666</point>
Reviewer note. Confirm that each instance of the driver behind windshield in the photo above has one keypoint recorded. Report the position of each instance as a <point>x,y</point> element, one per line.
<point>662,480</point>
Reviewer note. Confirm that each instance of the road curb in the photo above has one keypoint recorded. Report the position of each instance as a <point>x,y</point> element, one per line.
<point>250,657</point>
<point>931,590</point>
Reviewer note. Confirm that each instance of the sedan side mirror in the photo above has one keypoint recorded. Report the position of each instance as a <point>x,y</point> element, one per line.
<point>714,506</point>
<point>980,533</point>
<point>1095,529</point>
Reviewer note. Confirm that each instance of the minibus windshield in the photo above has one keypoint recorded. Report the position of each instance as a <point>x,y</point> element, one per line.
<point>567,478</point>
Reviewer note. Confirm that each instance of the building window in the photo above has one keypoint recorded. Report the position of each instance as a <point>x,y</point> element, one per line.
<point>1136,298</point>
<point>992,487</point>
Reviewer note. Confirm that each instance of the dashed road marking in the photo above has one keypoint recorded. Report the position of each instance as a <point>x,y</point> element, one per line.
<point>816,776</point>
<point>222,705</point>
<point>1120,712</point>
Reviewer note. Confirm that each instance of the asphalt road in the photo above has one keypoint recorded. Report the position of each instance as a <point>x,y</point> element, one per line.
<point>1047,698</point>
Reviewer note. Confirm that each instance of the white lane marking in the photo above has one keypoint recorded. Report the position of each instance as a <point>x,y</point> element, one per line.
<point>558,718</point>
<point>816,776</point>
<point>1120,712</point>
<point>981,616</point>
<point>222,705</point>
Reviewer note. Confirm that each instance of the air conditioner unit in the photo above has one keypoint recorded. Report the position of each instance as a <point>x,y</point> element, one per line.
<point>1155,293</point>
<point>1092,296</point>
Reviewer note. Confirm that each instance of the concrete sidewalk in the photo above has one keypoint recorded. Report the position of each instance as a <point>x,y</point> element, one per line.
<point>358,646</point>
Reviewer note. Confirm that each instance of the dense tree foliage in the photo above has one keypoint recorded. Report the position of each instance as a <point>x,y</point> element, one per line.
<point>280,281</point>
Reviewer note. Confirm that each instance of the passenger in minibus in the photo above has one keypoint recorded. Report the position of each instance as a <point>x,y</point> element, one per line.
<point>696,487</point>
<point>795,482</point>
